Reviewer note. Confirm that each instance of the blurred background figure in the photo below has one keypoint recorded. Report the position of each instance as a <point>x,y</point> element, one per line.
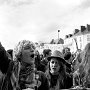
<point>10,52</point>
<point>67,53</point>
<point>68,57</point>
<point>44,61</point>
<point>37,59</point>
<point>77,59</point>
<point>82,74</point>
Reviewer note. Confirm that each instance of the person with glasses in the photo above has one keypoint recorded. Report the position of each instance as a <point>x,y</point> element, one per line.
<point>22,74</point>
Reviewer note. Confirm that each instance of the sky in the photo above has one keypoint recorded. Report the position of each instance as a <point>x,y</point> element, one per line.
<point>40,20</point>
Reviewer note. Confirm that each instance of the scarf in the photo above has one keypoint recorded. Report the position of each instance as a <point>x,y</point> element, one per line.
<point>22,74</point>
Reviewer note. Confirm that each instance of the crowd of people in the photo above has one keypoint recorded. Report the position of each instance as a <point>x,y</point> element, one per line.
<point>24,68</point>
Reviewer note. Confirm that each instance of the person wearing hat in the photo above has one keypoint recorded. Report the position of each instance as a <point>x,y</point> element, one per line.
<point>56,74</point>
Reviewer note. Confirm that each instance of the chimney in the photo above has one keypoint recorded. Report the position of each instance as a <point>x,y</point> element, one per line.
<point>66,36</point>
<point>76,31</point>
<point>83,28</point>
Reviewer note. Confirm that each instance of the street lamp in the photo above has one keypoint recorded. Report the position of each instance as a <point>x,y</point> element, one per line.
<point>58,35</point>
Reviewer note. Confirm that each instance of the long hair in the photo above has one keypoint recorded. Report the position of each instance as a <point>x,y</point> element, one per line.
<point>86,54</point>
<point>86,64</point>
<point>62,69</point>
<point>18,49</point>
<point>17,72</point>
<point>62,74</point>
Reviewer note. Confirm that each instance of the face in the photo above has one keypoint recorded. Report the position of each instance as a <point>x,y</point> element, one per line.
<point>49,54</point>
<point>66,50</point>
<point>54,66</point>
<point>28,55</point>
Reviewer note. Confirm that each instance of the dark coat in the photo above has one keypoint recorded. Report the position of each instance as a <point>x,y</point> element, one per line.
<point>59,81</point>
<point>44,81</point>
<point>7,85</point>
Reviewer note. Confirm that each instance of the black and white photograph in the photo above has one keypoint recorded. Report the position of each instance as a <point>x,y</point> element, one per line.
<point>44,44</point>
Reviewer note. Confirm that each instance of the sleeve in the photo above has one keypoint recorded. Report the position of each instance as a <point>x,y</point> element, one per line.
<point>6,83</point>
<point>44,82</point>
<point>69,81</point>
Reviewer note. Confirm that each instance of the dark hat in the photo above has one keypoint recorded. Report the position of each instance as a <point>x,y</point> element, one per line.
<point>57,54</point>
<point>67,55</point>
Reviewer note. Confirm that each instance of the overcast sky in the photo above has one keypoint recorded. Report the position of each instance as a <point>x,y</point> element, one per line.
<point>40,20</point>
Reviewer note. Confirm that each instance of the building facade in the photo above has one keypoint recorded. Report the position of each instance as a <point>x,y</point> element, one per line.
<point>79,39</point>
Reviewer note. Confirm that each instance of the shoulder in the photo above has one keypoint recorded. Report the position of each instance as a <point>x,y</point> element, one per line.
<point>69,78</point>
<point>41,74</point>
<point>42,77</point>
<point>69,75</point>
